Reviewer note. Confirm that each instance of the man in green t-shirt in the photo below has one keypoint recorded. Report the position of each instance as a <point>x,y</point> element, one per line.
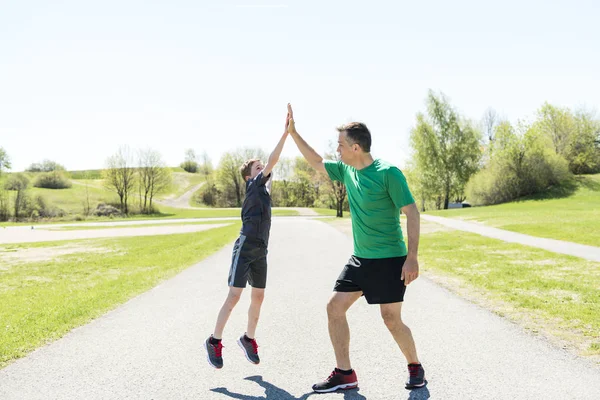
<point>382,265</point>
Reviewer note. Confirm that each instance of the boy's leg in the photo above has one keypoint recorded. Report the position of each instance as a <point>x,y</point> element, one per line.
<point>257,297</point>
<point>232,299</point>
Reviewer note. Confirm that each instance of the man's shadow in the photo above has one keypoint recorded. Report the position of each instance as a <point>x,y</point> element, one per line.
<point>273,392</point>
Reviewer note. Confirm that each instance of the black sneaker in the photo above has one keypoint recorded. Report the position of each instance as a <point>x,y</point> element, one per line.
<point>337,381</point>
<point>416,376</point>
<point>214,353</point>
<point>250,348</point>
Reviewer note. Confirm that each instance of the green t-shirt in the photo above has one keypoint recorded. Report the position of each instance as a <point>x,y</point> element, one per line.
<point>375,194</point>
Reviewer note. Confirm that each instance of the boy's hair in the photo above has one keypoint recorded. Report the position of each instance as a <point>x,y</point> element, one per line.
<point>358,133</point>
<point>246,168</point>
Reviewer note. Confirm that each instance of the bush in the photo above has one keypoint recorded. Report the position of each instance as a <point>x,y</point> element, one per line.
<point>105,210</point>
<point>16,182</point>
<point>504,181</point>
<point>43,209</point>
<point>207,195</point>
<point>190,166</point>
<point>52,180</point>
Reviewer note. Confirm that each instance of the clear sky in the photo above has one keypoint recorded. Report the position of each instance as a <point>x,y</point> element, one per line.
<point>80,78</point>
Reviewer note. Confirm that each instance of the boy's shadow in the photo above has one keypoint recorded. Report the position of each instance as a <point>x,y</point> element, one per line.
<point>273,392</point>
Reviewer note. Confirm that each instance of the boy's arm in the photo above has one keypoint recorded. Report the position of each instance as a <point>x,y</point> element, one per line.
<point>313,158</point>
<point>274,157</point>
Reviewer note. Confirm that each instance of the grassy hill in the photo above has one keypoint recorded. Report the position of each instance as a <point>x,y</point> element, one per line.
<point>570,212</point>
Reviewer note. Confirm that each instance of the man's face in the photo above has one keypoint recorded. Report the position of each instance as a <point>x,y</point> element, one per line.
<point>257,166</point>
<point>346,149</point>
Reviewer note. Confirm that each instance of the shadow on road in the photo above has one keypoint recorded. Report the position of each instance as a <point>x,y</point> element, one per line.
<point>273,392</point>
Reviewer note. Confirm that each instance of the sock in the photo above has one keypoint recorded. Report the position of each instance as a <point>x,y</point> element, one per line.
<point>247,338</point>
<point>214,341</point>
<point>344,372</point>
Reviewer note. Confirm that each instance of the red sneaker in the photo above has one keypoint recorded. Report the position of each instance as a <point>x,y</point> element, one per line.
<point>337,381</point>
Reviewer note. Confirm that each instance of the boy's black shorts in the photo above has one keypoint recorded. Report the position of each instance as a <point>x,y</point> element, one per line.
<point>248,263</point>
<point>378,278</point>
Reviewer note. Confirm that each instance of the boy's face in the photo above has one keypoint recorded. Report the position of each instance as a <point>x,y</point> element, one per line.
<point>257,166</point>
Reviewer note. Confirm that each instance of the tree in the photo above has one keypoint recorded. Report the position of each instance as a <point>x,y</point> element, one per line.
<point>338,188</point>
<point>584,145</point>
<point>446,150</point>
<point>4,160</point>
<point>190,164</point>
<point>18,183</point>
<point>280,192</point>
<point>119,176</point>
<point>205,167</point>
<point>154,177</point>
<point>490,121</point>
<point>557,123</point>
<point>45,166</point>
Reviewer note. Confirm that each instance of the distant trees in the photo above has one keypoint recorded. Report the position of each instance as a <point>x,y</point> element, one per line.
<point>446,151</point>
<point>4,160</point>
<point>452,160</point>
<point>45,166</point>
<point>153,178</point>
<point>119,176</point>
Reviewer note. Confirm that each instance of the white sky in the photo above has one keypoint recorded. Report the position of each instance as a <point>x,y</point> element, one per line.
<point>78,79</point>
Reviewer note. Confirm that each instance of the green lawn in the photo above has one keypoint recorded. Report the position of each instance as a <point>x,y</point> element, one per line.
<point>328,211</point>
<point>571,213</point>
<point>554,293</point>
<point>42,300</point>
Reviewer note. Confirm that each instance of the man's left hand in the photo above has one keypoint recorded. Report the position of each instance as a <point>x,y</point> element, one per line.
<point>410,270</point>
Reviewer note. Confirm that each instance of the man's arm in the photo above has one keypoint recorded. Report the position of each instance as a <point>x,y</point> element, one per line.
<point>313,158</point>
<point>410,271</point>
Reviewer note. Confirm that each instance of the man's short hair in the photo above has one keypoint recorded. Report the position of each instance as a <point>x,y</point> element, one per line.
<point>246,168</point>
<point>358,133</point>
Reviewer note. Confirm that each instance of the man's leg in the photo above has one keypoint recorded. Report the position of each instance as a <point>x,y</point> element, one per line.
<point>256,300</point>
<point>232,299</point>
<point>339,332</point>
<point>392,316</point>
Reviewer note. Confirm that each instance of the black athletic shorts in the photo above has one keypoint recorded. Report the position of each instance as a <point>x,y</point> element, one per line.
<point>248,263</point>
<point>378,278</point>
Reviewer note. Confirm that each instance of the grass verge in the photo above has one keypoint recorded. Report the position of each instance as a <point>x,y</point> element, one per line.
<point>569,213</point>
<point>40,301</point>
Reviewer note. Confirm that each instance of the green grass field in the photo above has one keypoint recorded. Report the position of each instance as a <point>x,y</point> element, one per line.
<point>42,300</point>
<point>570,213</point>
<point>545,291</point>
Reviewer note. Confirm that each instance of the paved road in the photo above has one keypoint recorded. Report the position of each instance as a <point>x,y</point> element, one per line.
<point>182,201</point>
<point>558,246</point>
<point>151,347</point>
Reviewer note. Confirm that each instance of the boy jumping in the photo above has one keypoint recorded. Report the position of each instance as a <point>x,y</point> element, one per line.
<point>249,259</point>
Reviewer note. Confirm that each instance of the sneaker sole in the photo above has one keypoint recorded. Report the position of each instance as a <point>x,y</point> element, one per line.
<point>416,386</point>
<point>345,386</point>
<point>208,358</point>
<point>239,342</point>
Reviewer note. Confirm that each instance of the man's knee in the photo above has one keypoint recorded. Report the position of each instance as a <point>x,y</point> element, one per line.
<point>391,317</point>
<point>335,308</point>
